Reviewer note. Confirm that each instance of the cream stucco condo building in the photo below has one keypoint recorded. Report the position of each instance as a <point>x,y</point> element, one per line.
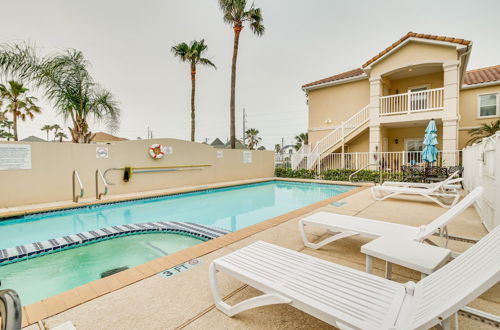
<point>383,106</point>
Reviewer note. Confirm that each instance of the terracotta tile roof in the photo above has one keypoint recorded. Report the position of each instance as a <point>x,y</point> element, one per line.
<point>483,75</point>
<point>416,35</point>
<point>359,71</point>
<point>343,75</point>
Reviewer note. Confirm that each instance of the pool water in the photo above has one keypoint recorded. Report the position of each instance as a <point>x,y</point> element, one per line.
<point>230,208</point>
<point>45,276</point>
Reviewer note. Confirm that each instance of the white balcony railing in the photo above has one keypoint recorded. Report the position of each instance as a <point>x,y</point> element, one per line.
<point>427,100</point>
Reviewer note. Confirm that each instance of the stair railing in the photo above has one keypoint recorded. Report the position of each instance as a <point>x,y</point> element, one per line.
<point>98,175</point>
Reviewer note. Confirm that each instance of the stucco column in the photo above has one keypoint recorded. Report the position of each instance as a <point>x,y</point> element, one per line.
<point>450,111</point>
<point>374,145</point>
<point>450,142</point>
<point>374,123</point>
<point>375,92</point>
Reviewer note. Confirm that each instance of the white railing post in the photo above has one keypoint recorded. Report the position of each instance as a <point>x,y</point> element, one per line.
<point>408,106</point>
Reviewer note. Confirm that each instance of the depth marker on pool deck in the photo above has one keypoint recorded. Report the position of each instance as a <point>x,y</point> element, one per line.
<point>180,268</point>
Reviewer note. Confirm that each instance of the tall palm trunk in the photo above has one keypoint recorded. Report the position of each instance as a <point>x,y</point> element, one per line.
<point>193,91</point>
<point>14,124</point>
<point>232,130</point>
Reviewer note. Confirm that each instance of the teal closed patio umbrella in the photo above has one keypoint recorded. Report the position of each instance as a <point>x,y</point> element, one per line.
<point>430,152</point>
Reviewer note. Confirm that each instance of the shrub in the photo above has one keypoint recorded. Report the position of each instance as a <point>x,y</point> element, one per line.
<point>340,175</point>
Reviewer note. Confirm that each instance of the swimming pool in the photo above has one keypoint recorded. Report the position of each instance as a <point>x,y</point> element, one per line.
<point>229,208</point>
<point>42,277</point>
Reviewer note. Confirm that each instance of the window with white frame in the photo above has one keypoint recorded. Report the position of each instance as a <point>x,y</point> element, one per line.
<point>488,105</point>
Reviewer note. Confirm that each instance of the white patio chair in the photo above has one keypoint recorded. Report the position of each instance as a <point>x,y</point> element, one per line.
<point>350,299</point>
<point>434,191</point>
<point>341,226</point>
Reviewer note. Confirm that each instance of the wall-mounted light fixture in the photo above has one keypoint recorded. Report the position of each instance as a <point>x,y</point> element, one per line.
<point>396,141</point>
<point>328,121</point>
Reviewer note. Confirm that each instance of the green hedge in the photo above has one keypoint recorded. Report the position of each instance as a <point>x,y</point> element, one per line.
<point>298,174</point>
<point>339,175</point>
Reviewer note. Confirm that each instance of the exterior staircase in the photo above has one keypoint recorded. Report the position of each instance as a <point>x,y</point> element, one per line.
<point>306,158</point>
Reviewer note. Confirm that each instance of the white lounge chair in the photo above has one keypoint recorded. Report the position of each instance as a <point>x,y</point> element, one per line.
<point>434,191</point>
<point>453,184</point>
<point>350,299</point>
<point>344,226</point>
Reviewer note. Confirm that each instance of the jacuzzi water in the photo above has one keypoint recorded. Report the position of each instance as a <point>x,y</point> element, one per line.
<point>45,276</point>
<point>230,208</point>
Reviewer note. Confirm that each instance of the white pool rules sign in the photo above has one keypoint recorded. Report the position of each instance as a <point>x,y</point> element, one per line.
<point>15,157</point>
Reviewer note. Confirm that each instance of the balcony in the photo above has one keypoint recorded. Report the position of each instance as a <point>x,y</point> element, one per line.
<point>412,102</point>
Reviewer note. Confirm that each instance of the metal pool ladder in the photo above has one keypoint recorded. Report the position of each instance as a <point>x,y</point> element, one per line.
<point>76,177</point>
<point>98,175</point>
<point>10,310</point>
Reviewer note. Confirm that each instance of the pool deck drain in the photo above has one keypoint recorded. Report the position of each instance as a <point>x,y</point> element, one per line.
<point>136,299</point>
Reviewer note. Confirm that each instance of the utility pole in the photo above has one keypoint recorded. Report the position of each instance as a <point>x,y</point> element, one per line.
<point>244,130</point>
<point>282,143</point>
<point>148,133</point>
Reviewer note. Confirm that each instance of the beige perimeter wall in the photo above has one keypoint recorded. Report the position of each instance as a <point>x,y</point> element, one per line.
<point>52,165</point>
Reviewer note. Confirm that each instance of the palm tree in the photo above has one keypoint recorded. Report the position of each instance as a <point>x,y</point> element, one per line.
<point>18,103</point>
<point>5,126</point>
<point>302,138</point>
<point>61,136</point>
<point>484,131</point>
<point>192,53</point>
<point>277,148</point>
<point>252,138</point>
<point>236,14</point>
<point>67,82</point>
<point>47,128</point>
<point>56,128</point>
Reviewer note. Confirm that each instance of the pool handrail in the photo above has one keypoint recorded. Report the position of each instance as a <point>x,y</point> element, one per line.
<point>98,175</point>
<point>10,310</point>
<point>77,177</point>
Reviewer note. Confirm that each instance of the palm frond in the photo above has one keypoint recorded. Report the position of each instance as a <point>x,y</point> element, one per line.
<point>206,61</point>
<point>18,61</point>
<point>485,130</point>
<point>68,83</point>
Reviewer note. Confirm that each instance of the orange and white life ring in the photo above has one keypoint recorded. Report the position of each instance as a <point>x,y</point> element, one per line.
<point>156,151</point>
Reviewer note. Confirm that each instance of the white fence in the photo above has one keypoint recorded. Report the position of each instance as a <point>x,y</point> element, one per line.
<point>431,99</point>
<point>387,162</point>
<point>482,168</point>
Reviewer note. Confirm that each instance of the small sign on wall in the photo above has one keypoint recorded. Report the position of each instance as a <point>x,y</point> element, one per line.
<point>15,157</point>
<point>169,150</point>
<point>101,152</point>
<point>247,157</point>
<point>220,154</point>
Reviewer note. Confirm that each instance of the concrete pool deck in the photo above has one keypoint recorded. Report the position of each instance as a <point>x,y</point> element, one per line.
<point>184,301</point>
